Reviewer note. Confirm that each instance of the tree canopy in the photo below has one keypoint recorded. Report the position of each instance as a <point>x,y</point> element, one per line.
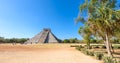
<point>103,19</point>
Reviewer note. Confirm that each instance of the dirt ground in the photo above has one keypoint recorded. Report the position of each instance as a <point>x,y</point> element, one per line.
<point>42,53</point>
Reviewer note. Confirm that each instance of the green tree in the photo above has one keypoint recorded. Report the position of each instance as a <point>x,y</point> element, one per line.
<point>86,34</point>
<point>71,40</point>
<point>2,40</point>
<point>22,40</point>
<point>103,19</point>
<point>92,40</point>
<point>13,40</point>
<point>66,41</point>
<point>7,41</point>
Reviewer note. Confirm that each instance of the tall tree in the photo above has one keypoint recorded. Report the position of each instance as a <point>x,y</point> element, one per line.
<point>86,34</point>
<point>103,19</point>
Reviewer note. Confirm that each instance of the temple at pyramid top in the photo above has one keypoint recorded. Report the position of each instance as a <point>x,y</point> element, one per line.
<point>45,36</point>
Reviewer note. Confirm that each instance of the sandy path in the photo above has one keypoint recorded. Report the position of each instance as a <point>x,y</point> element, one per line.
<point>43,54</point>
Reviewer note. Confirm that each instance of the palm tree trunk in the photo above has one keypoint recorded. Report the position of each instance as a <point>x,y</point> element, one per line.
<point>108,46</point>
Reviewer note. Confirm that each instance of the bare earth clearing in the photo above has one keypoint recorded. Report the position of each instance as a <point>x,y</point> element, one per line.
<point>42,53</point>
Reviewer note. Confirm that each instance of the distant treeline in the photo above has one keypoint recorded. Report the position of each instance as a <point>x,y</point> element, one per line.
<point>13,40</point>
<point>75,40</point>
<point>71,40</point>
<point>92,40</point>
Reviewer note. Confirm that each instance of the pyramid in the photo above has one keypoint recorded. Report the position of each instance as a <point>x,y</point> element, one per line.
<point>45,36</point>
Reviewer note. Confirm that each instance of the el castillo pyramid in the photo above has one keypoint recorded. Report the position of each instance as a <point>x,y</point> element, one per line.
<point>45,36</point>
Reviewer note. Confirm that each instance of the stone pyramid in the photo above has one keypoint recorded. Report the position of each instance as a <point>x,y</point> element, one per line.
<point>45,36</point>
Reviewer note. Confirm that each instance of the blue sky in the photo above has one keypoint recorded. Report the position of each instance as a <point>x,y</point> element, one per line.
<point>26,18</point>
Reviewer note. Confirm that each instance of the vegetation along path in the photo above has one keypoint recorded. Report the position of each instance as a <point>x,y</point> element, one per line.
<point>42,53</point>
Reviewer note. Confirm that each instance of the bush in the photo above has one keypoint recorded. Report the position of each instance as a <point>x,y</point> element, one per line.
<point>85,46</point>
<point>79,48</point>
<point>102,47</point>
<point>91,53</point>
<point>2,39</point>
<point>74,45</point>
<point>66,41</point>
<point>95,46</point>
<point>85,51</point>
<point>71,40</point>
<point>108,59</point>
<point>93,41</point>
<point>118,61</point>
<point>98,55</point>
<point>116,47</point>
<point>13,40</point>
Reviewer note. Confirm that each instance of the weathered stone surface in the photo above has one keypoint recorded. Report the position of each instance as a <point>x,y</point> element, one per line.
<point>46,36</point>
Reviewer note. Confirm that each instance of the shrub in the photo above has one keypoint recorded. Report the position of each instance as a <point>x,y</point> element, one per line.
<point>83,50</point>
<point>66,41</point>
<point>74,45</point>
<point>116,47</point>
<point>85,46</point>
<point>108,59</point>
<point>79,47</point>
<point>95,46</point>
<point>98,55</point>
<point>102,47</point>
<point>86,52</point>
<point>91,53</point>
<point>118,61</point>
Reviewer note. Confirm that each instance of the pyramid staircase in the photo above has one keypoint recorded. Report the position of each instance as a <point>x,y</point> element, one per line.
<point>43,36</point>
<point>46,36</point>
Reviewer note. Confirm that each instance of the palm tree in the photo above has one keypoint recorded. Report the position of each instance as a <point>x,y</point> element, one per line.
<point>103,19</point>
